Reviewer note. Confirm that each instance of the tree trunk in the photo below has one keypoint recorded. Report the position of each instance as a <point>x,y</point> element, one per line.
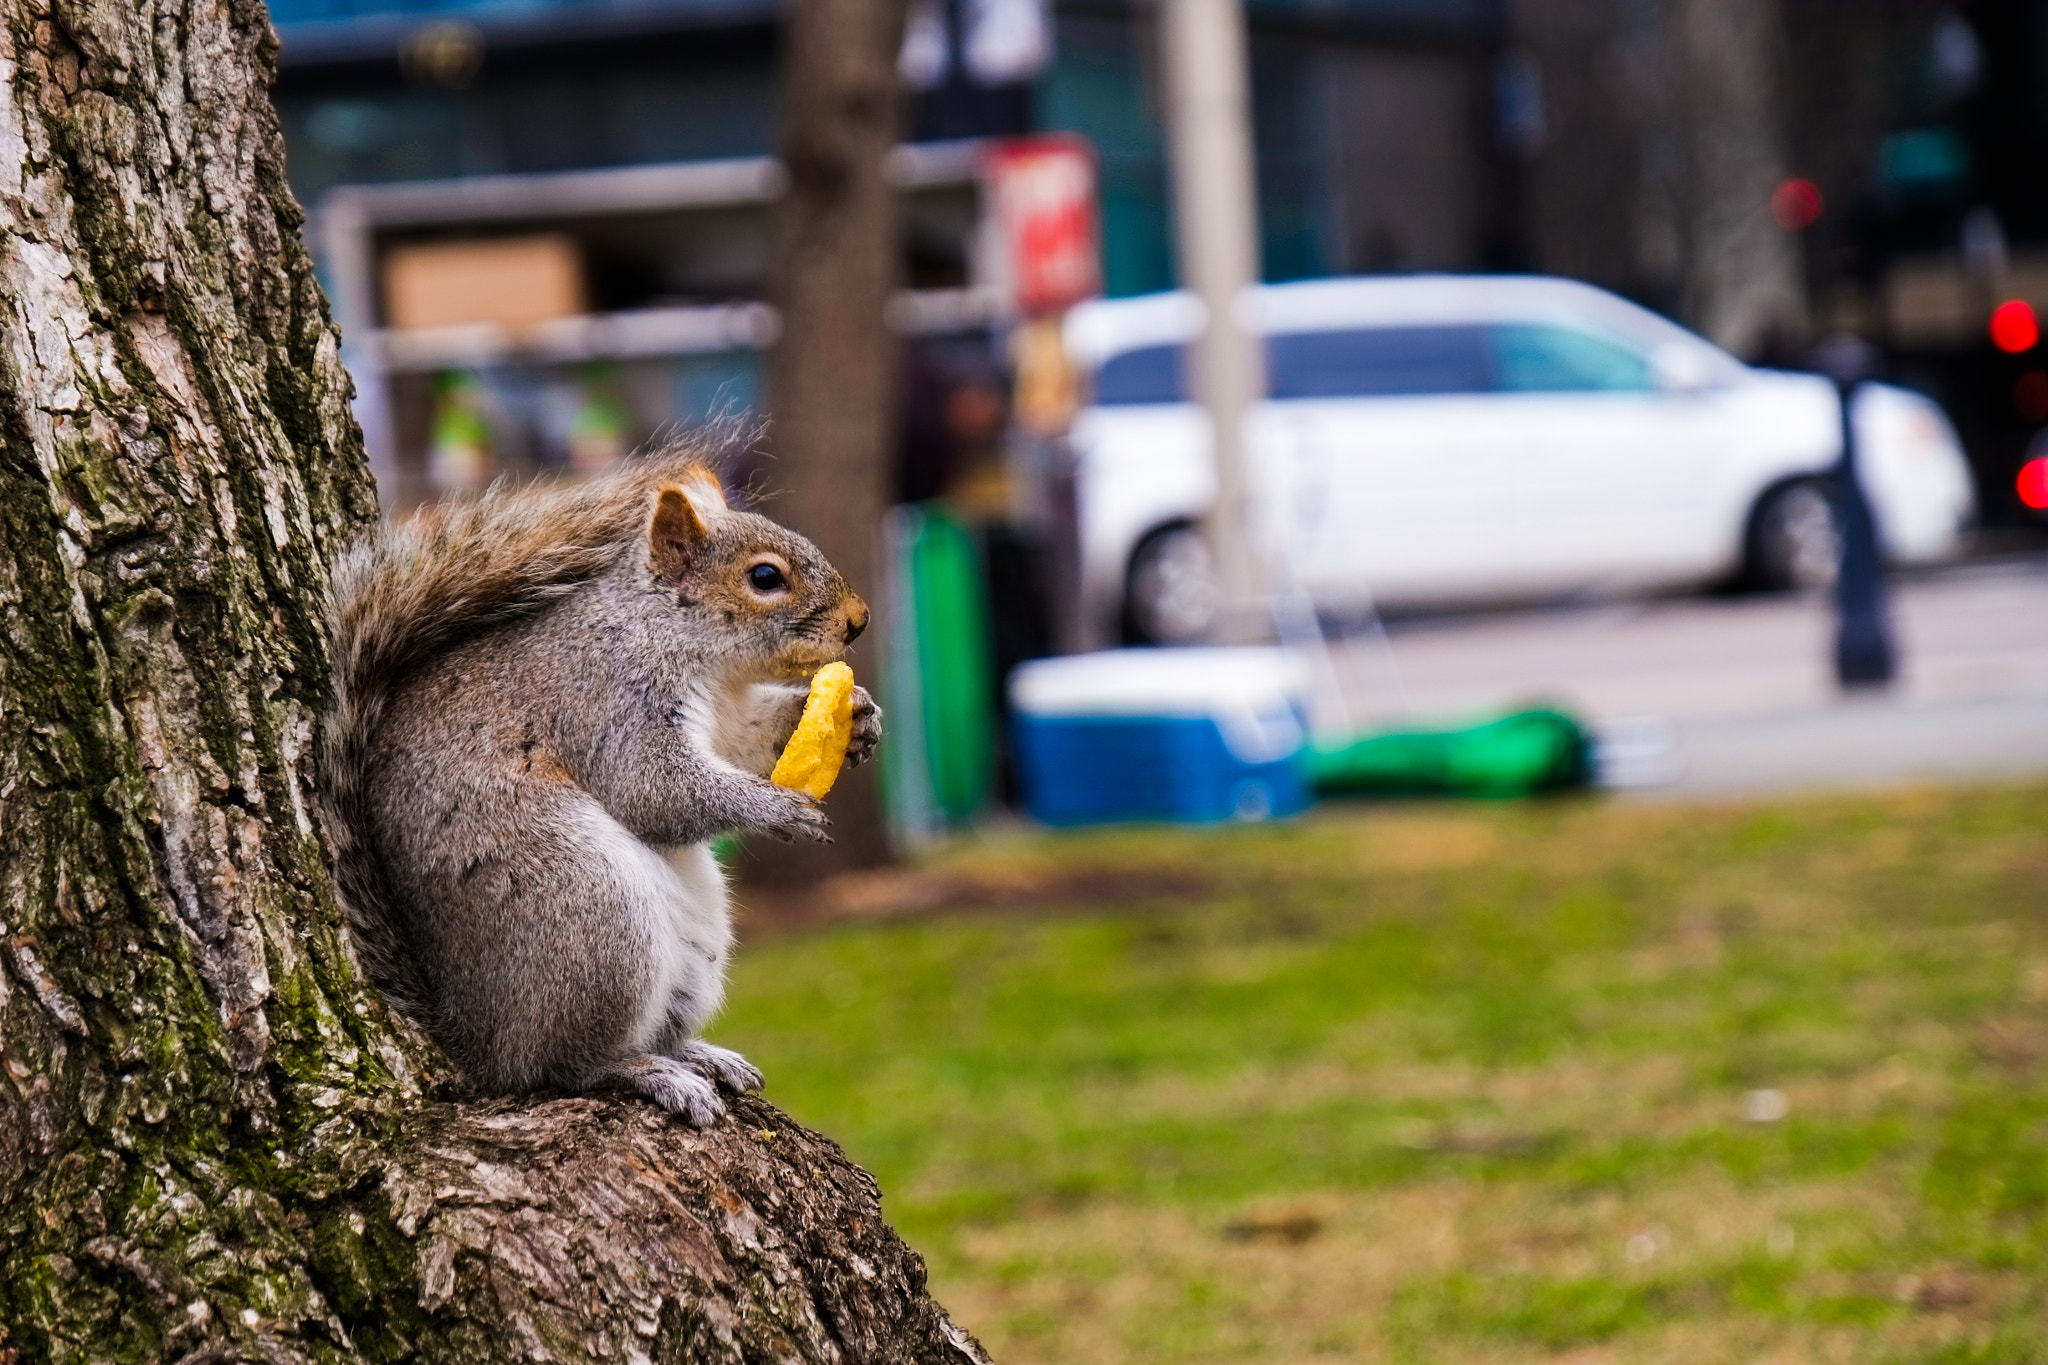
<point>832,376</point>
<point>1744,286</point>
<point>215,1144</point>
<point>1664,138</point>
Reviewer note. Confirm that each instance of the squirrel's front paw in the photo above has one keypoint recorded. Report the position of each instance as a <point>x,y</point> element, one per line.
<point>797,815</point>
<point>867,729</point>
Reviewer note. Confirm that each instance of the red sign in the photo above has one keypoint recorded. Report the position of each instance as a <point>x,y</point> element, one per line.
<point>1044,193</point>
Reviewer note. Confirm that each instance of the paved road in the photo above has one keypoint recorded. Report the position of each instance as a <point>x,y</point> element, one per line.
<point>1728,695</point>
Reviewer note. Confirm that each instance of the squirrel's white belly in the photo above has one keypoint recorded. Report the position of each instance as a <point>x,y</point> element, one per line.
<point>691,935</point>
<point>681,911</point>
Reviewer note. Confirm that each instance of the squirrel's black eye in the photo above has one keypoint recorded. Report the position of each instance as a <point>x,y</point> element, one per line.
<point>766,578</point>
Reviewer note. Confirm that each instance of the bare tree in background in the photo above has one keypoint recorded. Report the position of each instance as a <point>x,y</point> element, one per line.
<point>1664,136</point>
<point>1744,286</point>
<point>215,1143</point>
<point>832,376</point>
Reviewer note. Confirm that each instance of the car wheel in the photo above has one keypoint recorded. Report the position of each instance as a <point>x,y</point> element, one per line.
<point>1795,541</point>
<point>1171,594</point>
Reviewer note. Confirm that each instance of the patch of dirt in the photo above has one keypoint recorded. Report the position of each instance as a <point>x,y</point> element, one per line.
<point>1425,842</point>
<point>2011,1041</point>
<point>1288,1229</point>
<point>899,893</point>
<point>1942,1291</point>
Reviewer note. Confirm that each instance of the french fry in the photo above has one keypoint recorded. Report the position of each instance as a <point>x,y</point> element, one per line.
<point>811,760</point>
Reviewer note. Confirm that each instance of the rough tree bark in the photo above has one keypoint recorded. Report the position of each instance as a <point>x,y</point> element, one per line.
<point>832,377</point>
<point>215,1144</point>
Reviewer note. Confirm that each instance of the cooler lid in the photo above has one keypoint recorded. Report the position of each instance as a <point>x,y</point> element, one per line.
<point>1207,682</point>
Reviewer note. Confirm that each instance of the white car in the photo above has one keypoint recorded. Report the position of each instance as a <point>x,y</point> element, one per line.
<point>1436,438</point>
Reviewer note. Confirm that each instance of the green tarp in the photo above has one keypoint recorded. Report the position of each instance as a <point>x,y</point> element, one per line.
<point>1530,751</point>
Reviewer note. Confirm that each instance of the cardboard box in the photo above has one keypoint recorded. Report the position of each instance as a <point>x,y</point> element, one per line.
<point>513,281</point>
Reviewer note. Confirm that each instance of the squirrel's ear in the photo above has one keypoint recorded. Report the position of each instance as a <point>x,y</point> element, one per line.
<point>702,488</point>
<point>675,534</point>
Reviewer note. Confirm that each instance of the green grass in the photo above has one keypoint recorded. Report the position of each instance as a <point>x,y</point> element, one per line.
<point>1455,1083</point>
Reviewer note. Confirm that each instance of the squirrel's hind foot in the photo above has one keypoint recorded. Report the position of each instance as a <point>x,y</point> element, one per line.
<point>721,1066</point>
<point>676,1086</point>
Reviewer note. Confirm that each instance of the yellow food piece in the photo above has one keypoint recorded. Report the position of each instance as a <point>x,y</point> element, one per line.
<point>810,761</point>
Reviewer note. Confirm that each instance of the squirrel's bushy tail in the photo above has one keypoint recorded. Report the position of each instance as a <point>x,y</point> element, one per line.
<point>415,590</point>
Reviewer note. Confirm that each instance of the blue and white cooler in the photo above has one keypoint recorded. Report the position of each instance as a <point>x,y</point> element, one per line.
<point>1193,735</point>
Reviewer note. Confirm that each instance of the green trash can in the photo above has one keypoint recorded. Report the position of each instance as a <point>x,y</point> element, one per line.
<point>939,762</point>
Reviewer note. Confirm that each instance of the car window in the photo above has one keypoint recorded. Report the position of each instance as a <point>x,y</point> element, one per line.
<point>1532,358</point>
<point>1150,374</point>
<point>1358,363</point>
<point>1377,362</point>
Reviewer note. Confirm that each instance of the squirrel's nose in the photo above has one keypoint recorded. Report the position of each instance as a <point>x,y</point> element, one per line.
<point>856,620</point>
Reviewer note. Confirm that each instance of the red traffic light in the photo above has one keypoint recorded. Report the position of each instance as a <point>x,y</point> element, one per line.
<point>2033,483</point>
<point>2014,327</point>
<point>1796,205</point>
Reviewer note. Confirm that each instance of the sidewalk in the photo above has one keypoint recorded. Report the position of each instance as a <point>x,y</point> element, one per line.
<point>1738,693</point>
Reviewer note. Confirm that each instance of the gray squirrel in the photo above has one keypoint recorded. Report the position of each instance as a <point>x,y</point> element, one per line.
<point>547,702</point>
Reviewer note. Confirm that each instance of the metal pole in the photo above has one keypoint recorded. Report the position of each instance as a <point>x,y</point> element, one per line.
<point>1216,220</point>
<point>1864,654</point>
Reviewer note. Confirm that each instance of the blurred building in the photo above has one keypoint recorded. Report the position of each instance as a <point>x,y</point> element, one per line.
<point>543,221</point>
<point>1374,117</point>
